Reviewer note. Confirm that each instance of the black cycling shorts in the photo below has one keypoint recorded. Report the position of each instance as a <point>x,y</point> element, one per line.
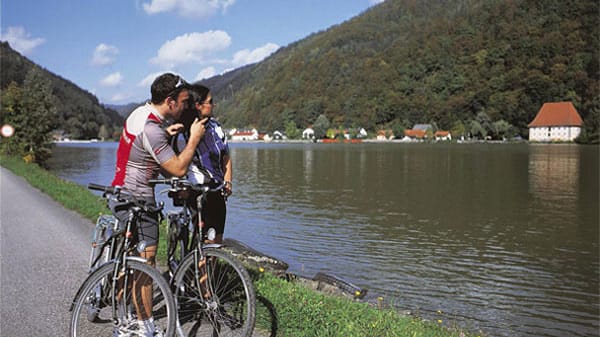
<point>147,225</point>
<point>214,212</point>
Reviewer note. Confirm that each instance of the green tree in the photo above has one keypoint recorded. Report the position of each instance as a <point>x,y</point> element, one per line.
<point>331,133</point>
<point>291,130</point>
<point>476,130</point>
<point>38,117</point>
<point>502,129</point>
<point>457,130</point>
<point>11,114</point>
<point>398,129</point>
<point>320,126</point>
<point>589,133</point>
<point>103,133</point>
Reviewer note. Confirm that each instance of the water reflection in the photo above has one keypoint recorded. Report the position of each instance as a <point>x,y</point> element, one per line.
<point>554,175</point>
<point>502,238</point>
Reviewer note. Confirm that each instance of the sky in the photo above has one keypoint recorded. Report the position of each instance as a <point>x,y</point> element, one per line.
<point>115,48</point>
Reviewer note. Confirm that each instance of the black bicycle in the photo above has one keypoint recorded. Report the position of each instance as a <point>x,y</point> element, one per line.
<point>213,290</point>
<point>111,300</point>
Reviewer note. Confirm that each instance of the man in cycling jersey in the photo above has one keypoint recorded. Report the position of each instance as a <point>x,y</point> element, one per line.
<point>143,152</point>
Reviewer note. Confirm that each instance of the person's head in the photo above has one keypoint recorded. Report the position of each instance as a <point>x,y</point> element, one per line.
<point>171,91</point>
<point>201,100</point>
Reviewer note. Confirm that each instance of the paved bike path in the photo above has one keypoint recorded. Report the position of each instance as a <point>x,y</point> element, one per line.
<point>43,256</point>
<point>44,252</point>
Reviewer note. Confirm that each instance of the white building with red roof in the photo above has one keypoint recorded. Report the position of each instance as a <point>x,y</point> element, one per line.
<point>557,121</point>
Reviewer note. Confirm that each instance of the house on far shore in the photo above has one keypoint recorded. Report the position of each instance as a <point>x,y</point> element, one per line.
<point>423,127</point>
<point>414,134</point>
<point>245,135</point>
<point>308,133</point>
<point>418,132</point>
<point>557,121</point>
<point>385,135</point>
<point>442,135</point>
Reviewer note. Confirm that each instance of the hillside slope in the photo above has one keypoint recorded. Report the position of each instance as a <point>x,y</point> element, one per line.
<point>79,114</point>
<point>408,61</point>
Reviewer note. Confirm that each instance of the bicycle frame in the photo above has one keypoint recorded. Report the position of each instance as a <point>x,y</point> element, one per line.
<point>206,277</point>
<point>120,248</point>
<point>194,242</point>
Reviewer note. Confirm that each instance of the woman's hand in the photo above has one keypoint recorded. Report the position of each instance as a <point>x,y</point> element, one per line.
<point>228,188</point>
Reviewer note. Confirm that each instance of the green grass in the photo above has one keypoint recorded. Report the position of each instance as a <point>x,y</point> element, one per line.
<point>283,308</point>
<point>301,312</point>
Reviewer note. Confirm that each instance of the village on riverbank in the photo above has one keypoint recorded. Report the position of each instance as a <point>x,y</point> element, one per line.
<point>555,122</point>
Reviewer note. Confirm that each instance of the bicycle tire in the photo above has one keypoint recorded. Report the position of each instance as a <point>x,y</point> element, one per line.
<point>163,306</point>
<point>231,309</point>
<point>99,256</point>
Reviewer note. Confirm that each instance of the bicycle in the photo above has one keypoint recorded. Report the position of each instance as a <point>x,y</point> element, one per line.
<point>213,290</point>
<point>111,297</point>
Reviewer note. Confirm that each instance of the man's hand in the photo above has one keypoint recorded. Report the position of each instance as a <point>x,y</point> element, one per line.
<point>178,164</point>
<point>174,129</point>
<point>198,128</point>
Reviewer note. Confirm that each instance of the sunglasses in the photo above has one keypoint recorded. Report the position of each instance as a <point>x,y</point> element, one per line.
<point>180,83</point>
<point>209,102</point>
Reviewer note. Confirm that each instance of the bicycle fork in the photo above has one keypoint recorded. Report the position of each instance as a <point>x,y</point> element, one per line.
<point>120,279</point>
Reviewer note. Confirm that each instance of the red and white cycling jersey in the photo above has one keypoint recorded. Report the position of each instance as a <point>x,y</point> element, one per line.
<point>143,146</point>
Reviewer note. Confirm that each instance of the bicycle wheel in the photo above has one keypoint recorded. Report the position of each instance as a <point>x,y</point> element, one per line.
<point>97,293</point>
<point>221,304</point>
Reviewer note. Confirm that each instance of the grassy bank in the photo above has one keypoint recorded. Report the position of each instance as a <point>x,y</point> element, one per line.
<point>284,308</point>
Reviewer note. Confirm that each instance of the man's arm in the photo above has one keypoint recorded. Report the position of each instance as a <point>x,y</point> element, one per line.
<point>178,165</point>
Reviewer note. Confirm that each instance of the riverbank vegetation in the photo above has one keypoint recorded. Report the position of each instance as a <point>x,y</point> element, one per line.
<point>284,308</point>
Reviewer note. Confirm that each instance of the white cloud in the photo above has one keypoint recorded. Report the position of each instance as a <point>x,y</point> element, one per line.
<point>112,80</point>
<point>20,40</point>
<point>188,8</point>
<point>104,55</point>
<point>375,2</point>
<point>207,72</point>
<point>121,97</point>
<point>191,48</point>
<point>247,56</point>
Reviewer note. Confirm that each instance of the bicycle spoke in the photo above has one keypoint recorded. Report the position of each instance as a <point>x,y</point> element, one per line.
<point>99,294</point>
<point>223,305</point>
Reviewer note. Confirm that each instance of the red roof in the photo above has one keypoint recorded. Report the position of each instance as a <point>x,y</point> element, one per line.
<point>441,133</point>
<point>557,114</point>
<point>414,133</point>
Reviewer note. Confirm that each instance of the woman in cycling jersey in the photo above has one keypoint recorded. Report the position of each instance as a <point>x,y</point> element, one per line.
<point>211,161</point>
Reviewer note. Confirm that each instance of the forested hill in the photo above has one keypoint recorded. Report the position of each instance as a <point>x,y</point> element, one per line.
<point>80,115</point>
<point>422,61</point>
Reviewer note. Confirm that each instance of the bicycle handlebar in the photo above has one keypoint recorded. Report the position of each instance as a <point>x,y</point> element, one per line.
<point>181,183</point>
<point>102,188</point>
<point>124,200</point>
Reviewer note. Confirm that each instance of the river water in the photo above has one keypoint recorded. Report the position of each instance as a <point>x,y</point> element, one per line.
<point>502,238</point>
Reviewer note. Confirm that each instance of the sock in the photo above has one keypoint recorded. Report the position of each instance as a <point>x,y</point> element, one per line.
<point>147,327</point>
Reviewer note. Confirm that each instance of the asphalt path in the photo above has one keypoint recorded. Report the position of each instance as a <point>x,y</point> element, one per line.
<point>44,251</point>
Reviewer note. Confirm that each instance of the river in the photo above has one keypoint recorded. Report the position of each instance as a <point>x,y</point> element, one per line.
<point>502,238</point>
